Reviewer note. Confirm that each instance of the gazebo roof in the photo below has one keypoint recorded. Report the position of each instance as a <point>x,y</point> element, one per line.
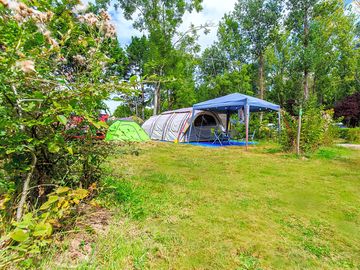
<point>234,102</point>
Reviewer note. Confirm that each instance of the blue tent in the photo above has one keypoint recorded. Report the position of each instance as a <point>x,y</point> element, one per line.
<point>235,102</point>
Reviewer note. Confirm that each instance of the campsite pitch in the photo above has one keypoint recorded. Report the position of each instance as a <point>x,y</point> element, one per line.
<point>188,207</point>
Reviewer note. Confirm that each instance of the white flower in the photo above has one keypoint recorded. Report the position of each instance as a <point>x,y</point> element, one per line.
<point>80,8</point>
<point>104,15</point>
<point>80,59</point>
<point>26,66</point>
<point>91,18</point>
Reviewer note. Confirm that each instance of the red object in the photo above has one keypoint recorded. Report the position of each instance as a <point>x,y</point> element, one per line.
<point>75,123</point>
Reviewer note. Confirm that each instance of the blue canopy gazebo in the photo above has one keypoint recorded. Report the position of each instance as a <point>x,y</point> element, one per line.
<point>234,103</point>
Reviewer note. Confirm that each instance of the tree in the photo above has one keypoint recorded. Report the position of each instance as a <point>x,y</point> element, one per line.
<point>138,54</point>
<point>349,108</point>
<point>300,18</point>
<point>122,111</point>
<point>161,19</point>
<point>257,22</point>
<point>221,76</point>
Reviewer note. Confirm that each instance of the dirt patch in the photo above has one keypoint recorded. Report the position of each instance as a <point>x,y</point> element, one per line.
<point>79,245</point>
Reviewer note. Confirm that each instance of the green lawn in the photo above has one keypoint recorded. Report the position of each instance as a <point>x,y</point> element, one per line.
<point>188,207</point>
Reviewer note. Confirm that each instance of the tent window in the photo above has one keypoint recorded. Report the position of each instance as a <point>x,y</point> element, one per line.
<point>204,120</point>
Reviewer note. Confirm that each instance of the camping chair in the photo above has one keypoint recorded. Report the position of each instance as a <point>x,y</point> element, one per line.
<point>216,134</point>
<point>225,137</point>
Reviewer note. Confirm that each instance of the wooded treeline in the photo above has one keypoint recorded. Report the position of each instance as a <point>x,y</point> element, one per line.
<point>283,51</point>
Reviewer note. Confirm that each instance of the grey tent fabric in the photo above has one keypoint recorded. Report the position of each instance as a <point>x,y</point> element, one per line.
<point>234,102</point>
<point>174,125</point>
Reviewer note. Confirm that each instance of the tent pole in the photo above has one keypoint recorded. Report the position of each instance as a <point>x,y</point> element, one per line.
<point>247,112</point>
<point>227,122</point>
<point>191,124</point>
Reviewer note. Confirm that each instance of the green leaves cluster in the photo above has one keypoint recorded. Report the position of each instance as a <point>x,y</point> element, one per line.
<point>28,237</point>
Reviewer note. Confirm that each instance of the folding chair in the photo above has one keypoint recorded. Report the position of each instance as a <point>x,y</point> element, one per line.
<point>217,135</point>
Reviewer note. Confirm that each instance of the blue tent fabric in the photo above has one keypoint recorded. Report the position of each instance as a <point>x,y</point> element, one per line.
<point>234,102</point>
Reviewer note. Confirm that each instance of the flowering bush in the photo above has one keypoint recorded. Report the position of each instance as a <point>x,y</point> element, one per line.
<point>56,60</point>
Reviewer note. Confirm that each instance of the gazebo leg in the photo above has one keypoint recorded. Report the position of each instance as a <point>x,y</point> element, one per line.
<point>247,112</point>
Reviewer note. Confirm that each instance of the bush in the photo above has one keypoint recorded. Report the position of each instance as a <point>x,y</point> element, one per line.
<point>354,135</point>
<point>344,133</point>
<point>63,65</point>
<point>351,135</point>
<point>317,129</point>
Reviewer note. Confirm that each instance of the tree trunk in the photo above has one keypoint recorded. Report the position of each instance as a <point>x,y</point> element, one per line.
<point>142,101</point>
<point>261,80</point>
<point>19,211</point>
<point>157,99</point>
<point>306,64</point>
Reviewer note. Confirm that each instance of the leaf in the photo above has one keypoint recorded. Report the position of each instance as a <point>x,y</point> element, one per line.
<point>60,190</point>
<point>9,151</point>
<point>43,229</point>
<point>80,193</point>
<point>133,79</point>
<point>26,222</point>
<point>62,119</point>
<point>50,201</point>
<point>53,147</point>
<point>19,235</point>
<point>76,201</point>
<point>70,150</point>
<point>4,200</point>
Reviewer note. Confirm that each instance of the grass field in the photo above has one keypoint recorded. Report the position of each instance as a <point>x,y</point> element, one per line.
<point>188,207</point>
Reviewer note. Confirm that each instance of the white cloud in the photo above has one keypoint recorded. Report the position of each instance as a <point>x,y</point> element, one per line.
<point>213,11</point>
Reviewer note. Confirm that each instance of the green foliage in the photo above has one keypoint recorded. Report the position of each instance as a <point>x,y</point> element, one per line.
<point>122,111</point>
<point>351,135</point>
<point>28,237</point>
<point>316,40</point>
<point>54,63</point>
<point>317,129</point>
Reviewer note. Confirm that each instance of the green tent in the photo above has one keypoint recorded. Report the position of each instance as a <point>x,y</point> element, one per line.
<point>126,131</point>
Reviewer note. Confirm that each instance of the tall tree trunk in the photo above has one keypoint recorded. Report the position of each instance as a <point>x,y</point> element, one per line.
<point>306,44</point>
<point>157,99</point>
<point>261,76</point>
<point>142,101</point>
<point>261,80</point>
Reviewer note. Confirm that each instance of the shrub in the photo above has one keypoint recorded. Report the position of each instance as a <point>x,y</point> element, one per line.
<point>351,135</point>
<point>344,133</point>
<point>55,62</point>
<point>354,135</point>
<point>317,129</point>
<point>26,239</point>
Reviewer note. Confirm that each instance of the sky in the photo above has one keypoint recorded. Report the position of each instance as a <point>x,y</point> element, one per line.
<point>213,11</point>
